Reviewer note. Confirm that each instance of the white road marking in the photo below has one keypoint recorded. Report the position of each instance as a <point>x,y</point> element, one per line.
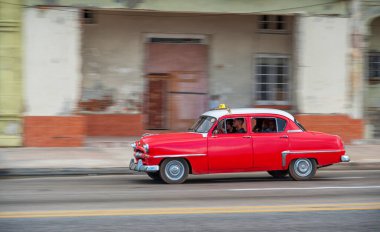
<point>308,188</point>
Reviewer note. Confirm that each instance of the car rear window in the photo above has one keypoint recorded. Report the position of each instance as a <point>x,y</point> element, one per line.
<point>281,124</point>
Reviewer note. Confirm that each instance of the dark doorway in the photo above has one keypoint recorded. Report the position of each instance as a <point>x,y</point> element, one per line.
<point>184,88</point>
<point>156,103</point>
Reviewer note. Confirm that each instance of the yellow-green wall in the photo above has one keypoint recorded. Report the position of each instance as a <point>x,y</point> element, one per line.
<point>10,73</point>
<point>323,7</point>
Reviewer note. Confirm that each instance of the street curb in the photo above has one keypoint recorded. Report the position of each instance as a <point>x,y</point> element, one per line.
<point>126,171</point>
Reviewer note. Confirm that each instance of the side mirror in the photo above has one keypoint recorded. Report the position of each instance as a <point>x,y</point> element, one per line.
<point>215,132</point>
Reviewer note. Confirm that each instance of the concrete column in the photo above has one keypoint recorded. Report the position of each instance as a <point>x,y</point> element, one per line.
<point>357,61</point>
<point>10,73</point>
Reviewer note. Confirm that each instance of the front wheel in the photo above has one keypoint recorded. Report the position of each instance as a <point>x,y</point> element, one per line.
<point>174,171</point>
<point>278,174</point>
<point>302,169</point>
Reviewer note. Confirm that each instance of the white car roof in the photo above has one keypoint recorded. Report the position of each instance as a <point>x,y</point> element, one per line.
<point>219,113</point>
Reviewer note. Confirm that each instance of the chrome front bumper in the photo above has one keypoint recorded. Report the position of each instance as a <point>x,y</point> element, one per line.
<point>345,158</point>
<point>142,168</point>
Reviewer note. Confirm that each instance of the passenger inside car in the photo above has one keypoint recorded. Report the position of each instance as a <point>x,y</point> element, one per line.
<point>229,126</point>
<point>238,124</point>
<point>255,125</point>
<point>264,125</point>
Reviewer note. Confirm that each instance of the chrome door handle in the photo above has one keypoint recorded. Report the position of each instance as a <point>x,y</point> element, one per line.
<point>284,136</point>
<point>247,137</point>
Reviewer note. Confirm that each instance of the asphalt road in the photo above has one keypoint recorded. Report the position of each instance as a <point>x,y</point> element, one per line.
<point>332,201</point>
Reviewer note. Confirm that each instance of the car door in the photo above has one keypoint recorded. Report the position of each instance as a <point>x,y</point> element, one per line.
<point>268,145</point>
<point>229,151</point>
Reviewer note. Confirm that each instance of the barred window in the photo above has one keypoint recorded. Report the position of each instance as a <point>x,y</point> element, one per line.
<point>272,80</point>
<point>374,66</point>
<point>272,23</point>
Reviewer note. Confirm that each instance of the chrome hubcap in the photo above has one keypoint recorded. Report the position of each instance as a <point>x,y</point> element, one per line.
<point>303,167</point>
<point>174,170</point>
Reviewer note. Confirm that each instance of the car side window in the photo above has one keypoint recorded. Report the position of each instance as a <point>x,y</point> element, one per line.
<point>220,128</point>
<point>268,125</point>
<point>281,123</point>
<point>231,126</point>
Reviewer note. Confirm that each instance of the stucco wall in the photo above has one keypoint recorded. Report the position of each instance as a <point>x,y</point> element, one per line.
<point>114,52</point>
<point>323,53</point>
<point>52,61</point>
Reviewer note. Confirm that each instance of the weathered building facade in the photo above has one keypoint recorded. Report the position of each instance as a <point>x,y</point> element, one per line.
<point>119,68</point>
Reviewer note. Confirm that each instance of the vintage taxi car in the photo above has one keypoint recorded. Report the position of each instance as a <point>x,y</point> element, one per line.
<point>238,140</point>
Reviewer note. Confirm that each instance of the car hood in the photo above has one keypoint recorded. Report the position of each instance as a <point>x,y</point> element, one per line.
<point>171,138</point>
<point>176,143</point>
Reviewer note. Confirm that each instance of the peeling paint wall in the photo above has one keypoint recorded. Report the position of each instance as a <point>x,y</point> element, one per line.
<point>113,54</point>
<point>323,52</point>
<point>112,67</point>
<point>52,61</point>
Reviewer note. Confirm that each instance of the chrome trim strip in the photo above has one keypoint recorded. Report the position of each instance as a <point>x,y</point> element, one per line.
<point>178,155</point>
<point>294,131</point>
<point>146,134</point>
<point>285,153</point>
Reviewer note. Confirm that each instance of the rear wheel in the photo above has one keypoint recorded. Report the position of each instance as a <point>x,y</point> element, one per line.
<point>302,169</point>
<point>278,174</point>
<point>154,176</point>
<point>174,171</point>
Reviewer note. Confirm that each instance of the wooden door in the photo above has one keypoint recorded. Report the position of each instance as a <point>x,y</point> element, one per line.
<point>187,88</point>
<point>156,107</point>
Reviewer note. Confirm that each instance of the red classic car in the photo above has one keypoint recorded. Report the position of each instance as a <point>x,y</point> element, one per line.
<point>238,140</point>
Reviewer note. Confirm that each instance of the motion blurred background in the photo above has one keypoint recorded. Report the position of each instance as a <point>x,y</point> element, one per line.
<point>74,70</point>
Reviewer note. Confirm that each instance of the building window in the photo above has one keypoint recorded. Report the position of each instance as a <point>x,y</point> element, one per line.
<point>175,40</point>
<point>88,17</point>
<point>374,66</point>
<point>274,23</point>
<point>272,80</point>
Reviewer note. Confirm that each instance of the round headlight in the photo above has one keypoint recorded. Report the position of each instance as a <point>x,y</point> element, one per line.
<point>146,147</point>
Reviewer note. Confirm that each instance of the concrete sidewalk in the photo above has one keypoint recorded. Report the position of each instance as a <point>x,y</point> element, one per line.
<point>104,159</point>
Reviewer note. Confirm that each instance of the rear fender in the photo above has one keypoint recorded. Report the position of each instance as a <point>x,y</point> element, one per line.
<point>323,158</point>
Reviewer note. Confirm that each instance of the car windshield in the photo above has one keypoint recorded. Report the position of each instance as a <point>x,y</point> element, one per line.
<point>203,124</point>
